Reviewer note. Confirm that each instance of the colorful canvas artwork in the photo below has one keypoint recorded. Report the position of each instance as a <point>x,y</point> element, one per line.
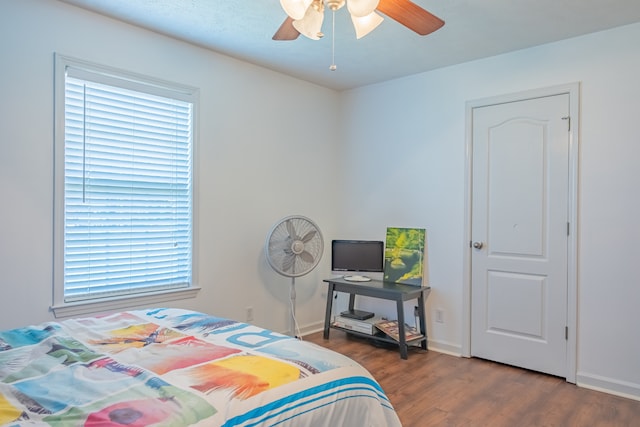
<point>405,255</point>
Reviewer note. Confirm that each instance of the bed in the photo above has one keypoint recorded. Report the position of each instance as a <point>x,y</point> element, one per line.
<point>174,367</point>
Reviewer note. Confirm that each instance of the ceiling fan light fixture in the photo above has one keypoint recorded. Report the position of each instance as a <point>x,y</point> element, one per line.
<point>296,9</point>
<point>311,24</point>
<point>361,8</point>
<point>365,24</point>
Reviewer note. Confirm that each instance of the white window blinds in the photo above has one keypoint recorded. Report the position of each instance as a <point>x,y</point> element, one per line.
<point>127,188</point>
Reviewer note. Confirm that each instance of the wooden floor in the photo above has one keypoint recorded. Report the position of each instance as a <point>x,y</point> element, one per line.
<point>435,389</point>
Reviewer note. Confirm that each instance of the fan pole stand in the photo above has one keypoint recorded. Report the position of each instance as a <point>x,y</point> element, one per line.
<point>292,298</point>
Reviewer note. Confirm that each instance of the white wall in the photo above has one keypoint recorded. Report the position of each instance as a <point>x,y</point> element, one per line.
<point>408,137</point>
<point>253,168</point>
<point>403,143</point>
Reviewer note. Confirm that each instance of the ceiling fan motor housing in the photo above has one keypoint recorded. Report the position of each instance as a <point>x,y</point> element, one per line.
<point>335,4</point>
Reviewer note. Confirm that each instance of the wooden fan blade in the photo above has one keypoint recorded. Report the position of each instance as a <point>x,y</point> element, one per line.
<point>286,31</point>
<point>410,15</point>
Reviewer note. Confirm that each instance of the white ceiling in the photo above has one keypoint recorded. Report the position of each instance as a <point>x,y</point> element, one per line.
<point>473,29</point>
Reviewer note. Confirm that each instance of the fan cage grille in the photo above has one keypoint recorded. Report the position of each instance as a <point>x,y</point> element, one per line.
<point>280,241</point>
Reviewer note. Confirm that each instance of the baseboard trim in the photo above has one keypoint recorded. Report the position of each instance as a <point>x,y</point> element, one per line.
<point>608,385</point>
<point>310,329</point>
<point>445,347</point>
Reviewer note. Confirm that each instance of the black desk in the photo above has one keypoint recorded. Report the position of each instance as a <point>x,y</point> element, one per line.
<point>383,290</point>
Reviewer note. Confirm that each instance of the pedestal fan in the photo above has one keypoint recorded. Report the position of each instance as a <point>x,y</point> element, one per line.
<point>293,248</point>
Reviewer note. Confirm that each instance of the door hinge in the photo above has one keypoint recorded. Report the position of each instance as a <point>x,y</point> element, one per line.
<point>568,119</point>
<point>566,332</point>
<point>568,229</point>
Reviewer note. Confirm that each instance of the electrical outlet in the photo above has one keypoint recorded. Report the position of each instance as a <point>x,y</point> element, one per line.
<point>439,315</point>
<point>249,314</point>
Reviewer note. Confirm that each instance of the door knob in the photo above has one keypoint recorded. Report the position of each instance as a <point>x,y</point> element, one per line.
<point>478,245</point>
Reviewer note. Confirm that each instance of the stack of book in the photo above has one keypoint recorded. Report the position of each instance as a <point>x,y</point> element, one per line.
<point>390,327</point>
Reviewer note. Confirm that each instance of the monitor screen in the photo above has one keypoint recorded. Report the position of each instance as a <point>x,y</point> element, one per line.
<point>357,255</point>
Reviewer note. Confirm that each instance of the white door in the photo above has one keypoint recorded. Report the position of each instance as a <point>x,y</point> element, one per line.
<point>519,228</point>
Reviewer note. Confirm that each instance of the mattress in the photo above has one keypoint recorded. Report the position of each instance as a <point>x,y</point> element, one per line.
<point>174,367</point>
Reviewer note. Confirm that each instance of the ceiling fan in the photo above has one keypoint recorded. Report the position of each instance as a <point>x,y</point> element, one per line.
<point>306,16</point>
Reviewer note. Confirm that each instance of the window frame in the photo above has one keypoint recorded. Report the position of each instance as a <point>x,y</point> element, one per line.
<point>129,80</point>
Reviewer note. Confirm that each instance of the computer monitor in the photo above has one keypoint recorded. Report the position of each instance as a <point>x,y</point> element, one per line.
<point>357,256</point>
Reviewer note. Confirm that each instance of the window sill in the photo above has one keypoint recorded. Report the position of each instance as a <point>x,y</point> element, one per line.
<point>119,303</point>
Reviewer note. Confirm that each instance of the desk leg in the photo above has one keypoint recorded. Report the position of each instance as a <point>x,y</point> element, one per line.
<point>401,331</point>
<point>423,322</point>
<point>327,315</point>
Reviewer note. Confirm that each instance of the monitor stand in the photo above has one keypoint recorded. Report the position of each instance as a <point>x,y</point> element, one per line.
<point>357,278</point>
<point>357,314</point>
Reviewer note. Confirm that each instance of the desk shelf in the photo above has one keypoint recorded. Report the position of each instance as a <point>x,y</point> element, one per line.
<point>380,338</point>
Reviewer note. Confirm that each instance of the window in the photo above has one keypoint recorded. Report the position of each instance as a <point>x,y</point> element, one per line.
<point>124,185</point>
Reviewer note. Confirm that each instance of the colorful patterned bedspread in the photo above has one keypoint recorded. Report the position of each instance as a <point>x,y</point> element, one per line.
<point>172,367</point>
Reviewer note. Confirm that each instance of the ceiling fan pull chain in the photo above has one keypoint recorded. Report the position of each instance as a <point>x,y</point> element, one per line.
<point>333,65</point>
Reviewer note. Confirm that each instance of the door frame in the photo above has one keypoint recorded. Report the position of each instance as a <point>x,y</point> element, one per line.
<point>573,89</point>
